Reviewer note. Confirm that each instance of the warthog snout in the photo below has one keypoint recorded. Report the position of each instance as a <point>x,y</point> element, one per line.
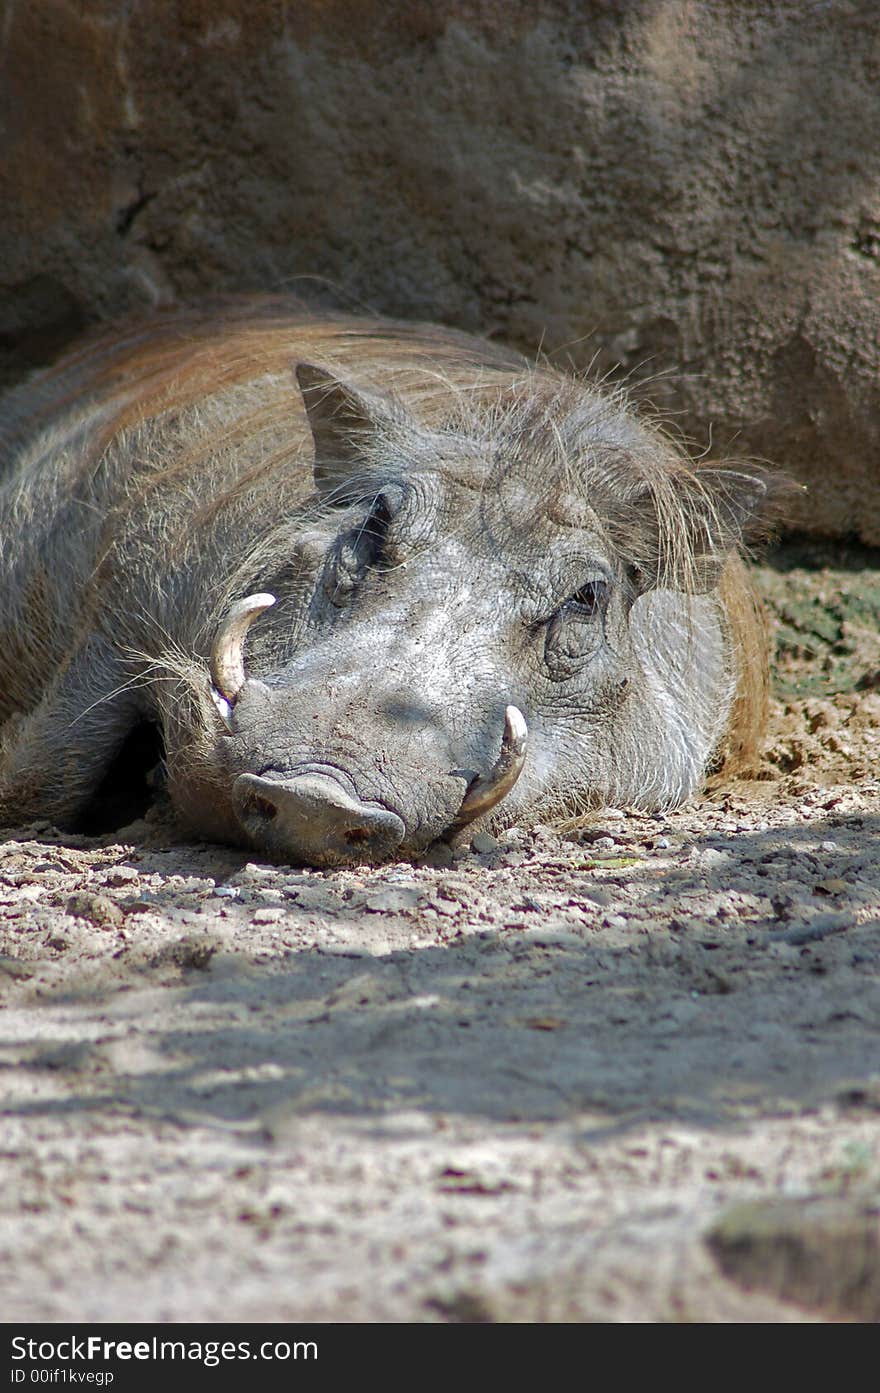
<point>313,818</point>
<point>310,817</point>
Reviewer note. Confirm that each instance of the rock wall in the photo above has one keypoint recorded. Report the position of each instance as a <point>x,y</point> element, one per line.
<point>687,191</point>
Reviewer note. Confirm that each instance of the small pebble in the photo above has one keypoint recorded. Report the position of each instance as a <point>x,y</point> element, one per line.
<point>99,909</point>
<point>269,915</point>
<point>483,843</point>
<point>121,875</point>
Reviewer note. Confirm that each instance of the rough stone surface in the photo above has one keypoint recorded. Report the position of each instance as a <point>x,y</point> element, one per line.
<point>823,1251</point>
<point>687,190</point>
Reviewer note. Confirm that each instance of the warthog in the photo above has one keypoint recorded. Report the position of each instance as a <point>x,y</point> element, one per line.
<point>474,590</point>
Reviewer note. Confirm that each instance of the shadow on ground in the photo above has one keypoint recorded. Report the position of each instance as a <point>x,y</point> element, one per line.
<point>672,1015</point>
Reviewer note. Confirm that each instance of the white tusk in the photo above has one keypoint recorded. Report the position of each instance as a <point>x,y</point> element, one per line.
<point>226,664</point>
<point>222,706</point>
<point>485,792</point>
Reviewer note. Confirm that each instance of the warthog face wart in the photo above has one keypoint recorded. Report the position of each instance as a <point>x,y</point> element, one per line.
<point>371,584</point>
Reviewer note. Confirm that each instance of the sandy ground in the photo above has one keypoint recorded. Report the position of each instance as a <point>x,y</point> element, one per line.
<point>627,1073</point>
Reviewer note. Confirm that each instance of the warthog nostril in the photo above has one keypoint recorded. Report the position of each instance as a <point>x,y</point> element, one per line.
<point>311,818</point>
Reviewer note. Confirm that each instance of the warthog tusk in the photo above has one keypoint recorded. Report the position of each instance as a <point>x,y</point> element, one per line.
<point>485,792</point>
<point>222,706</point>
<point>226,664</point>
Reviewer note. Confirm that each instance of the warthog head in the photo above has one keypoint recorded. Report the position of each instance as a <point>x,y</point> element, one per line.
<point>512,614</point>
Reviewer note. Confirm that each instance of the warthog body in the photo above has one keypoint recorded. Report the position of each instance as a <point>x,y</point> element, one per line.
<point>499,596</point>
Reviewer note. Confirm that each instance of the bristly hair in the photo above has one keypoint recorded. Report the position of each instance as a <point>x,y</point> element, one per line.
<point>673,522</point>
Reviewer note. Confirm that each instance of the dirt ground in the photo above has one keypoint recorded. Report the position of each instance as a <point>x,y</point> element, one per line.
<point>630,1072</point>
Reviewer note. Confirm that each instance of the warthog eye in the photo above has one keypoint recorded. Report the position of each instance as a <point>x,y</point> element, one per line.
<point>591,598</point>
<point>362,547</point>
<point>577,630</point>
<point>344,571</point>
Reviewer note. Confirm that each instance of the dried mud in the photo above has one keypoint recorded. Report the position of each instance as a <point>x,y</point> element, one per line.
<point>629,1072</point>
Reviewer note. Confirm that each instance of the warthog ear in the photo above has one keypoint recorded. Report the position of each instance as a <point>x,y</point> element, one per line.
<point>736,500</point>
<point>344,422</point>
<point>691,521</point>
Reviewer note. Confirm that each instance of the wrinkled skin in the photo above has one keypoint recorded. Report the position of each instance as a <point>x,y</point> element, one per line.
<point>445,562</point>
<point>453,654</point>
